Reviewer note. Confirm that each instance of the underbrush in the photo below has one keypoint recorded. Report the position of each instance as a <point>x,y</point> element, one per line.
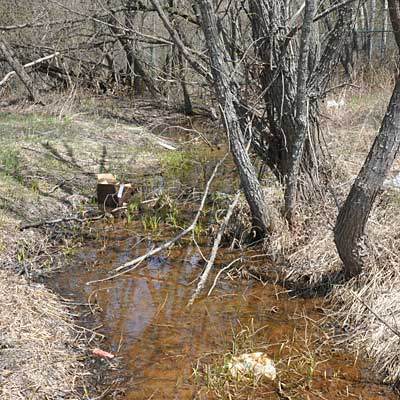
<point>46,175</point>
<point>367,308</point>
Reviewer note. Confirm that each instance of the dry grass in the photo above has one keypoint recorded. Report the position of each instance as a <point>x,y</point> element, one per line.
<point>307,257</point>
<point>366,309</point>
<point>307,368</point>
<point>36,343</point>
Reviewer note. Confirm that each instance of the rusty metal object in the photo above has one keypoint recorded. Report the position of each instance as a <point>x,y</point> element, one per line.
<point>106,191</point>
<point>112,194</point>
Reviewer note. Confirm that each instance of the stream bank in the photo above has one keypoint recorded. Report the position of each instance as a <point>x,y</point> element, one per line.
<point>48,161</point>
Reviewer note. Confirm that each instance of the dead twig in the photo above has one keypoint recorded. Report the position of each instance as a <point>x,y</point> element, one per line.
<point>61,221</point>
<point>395,331</point>
<point>214,250</point>
<point>220,272</point>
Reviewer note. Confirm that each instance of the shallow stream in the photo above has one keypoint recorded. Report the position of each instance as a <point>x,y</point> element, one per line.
<point>165,350</point>
<point>159,341</point>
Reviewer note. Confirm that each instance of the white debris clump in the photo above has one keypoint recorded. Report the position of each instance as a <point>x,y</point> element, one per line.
<point>257,364</point>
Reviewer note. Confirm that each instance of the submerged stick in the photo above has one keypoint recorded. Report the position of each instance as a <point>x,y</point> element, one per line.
<point>214,250</point>
<point>189,229</point>
<point>109,278</point>
<point>220,272</point>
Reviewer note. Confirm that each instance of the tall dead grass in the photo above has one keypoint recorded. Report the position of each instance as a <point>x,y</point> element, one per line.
<point>38,346</point>
<point>366,309</point>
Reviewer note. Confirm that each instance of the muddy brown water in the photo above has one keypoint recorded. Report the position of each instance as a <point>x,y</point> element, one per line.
<point>158,340</point>
<point>159,343</point>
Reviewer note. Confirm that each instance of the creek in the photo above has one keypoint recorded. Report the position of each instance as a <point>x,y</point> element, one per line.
<point>159,341</point>
<point>165,350</point>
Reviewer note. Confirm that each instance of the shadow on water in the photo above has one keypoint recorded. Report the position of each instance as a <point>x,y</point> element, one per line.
<point>144,317</point>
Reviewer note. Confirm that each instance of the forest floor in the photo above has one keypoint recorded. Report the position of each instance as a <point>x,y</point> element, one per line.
<point>48,165</point>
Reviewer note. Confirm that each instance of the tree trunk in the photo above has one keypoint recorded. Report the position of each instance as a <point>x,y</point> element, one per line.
<point>366,30</point>
<point>19,70</point>
<point>227,92</point>
<point>277,51</point>
<point>353,216</point>
<point>134,65</point>
<point>181,76</point>
<point>372,33</point>
<point>384,29</point>
<point>187,103</point>
<point>301,118</point>
<point>394,12</point>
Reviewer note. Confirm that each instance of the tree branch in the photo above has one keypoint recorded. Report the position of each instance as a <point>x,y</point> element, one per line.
<point>129,266</point>
<point>31,64</point>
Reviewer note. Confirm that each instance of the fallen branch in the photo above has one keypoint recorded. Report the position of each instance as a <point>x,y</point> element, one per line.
<point>189,229</point>
<point>31,64</point>
<point>214,250</point>
<point>109,278</point>
<point>19,69</point>
<point>73,218</point>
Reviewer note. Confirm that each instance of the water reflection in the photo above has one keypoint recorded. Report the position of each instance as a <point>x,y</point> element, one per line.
<point>144,314</point>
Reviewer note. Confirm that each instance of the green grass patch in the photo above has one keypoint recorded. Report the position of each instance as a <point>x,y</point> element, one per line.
<point>176,163</point>
<point>11,163</point>
<point>31,124</point>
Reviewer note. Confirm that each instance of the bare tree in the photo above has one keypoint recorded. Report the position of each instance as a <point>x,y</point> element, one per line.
<point>301,113</point>
<point>353,216</point>
<point>228,95</point>
<point>371,23</point>
<point>284,131</point>
<point>384,29</point>
<point>281,141</point>
<point>394,13</point>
